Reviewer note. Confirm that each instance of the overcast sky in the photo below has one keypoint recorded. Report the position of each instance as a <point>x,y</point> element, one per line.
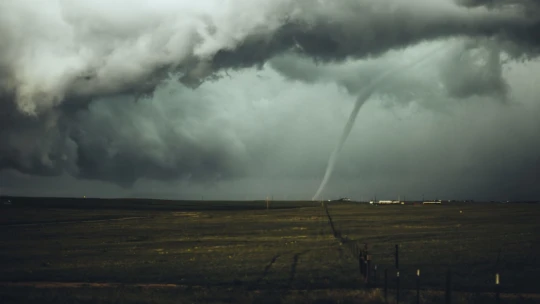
<point>244,99</point>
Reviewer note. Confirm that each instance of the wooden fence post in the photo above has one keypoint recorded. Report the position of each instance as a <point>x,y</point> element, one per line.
<point>397,287</point>
<point>397,273</point>
<point>361,263</point>
<point>375,276</point>
<point>386,285</point>
<point>497,289</point>
<point>417,286</point>
<point>448,295</point>
<point>397,256</point>
<point>368,268</point>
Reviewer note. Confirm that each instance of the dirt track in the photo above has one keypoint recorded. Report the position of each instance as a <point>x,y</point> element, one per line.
<point>45,284</point>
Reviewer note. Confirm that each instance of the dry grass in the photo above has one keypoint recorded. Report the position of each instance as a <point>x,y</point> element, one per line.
<point>286,255</point>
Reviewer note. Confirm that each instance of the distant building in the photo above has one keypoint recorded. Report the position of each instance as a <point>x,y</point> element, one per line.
<point>388,202</point>
<point>431,202</point>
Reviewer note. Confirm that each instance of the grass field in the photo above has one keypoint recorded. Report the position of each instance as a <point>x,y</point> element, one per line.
<point>241,252</point>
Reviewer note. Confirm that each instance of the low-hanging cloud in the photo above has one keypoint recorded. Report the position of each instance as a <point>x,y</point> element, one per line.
<point>463,68</point>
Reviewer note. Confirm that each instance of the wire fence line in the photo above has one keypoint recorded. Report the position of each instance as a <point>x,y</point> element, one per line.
<point>390,277</point>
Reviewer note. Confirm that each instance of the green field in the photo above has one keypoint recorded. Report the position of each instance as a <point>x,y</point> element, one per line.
<point>241,252</point>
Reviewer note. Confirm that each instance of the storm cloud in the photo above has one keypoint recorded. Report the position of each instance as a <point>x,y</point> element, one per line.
<point>94,48</point>
<point>214,91</point>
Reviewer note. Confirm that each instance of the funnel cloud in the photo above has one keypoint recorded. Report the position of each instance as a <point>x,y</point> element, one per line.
<point>360,100</point>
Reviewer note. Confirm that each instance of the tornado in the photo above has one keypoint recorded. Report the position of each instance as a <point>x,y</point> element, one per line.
<point>364,95</point>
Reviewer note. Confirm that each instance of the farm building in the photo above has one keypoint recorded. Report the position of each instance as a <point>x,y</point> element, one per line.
<point>388,202</point>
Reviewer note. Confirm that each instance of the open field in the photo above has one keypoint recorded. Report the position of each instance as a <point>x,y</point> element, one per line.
<point>241,252</point>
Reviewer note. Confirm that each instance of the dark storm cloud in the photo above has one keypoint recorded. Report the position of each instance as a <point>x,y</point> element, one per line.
<point>73,81</point>
<point>465,68</point>
<point>93,49</point>
<point>475,69</point>
<point>121,140</point>
<point>357,29</point>
<point>495,3</point>
<point>33,144</point>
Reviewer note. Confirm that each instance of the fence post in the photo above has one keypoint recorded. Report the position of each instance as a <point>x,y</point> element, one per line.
<point>368,268</point>
<point>448,295</point>
<point>361,263</point>
<point>397,273</point>
<point>397,287</point>
<point>417,286</point>
<point>386,285</point>
<point>497,289</point>
<point>397,256</point>
<point>375,276</point>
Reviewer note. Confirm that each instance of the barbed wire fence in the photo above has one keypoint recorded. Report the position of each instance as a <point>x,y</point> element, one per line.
<point>389,278</point>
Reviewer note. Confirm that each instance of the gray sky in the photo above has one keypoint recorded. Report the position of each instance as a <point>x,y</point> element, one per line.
<point>247,99</point>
